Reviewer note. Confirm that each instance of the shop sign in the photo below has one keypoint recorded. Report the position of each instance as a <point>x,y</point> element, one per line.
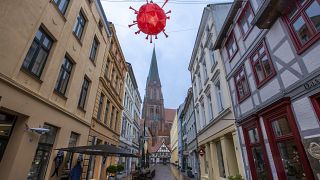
<point>312,148</point>
<point>312,83</point>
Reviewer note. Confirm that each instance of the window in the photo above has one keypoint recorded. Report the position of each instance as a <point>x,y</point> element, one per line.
<point>205,72</point>
<point>195,88</point>
<point>245,19</point>
<point>62,5</point>
<point>304,23</point>
<point>285,143</point>
<point>100,107</point>
<point>242,85</point>
<point>79,26</point>
<point>219,96</point>
<point>231,46</point>
<point>84,92</point>
<point>213,59</point>
<point>316,104</point>
<point>106,113</point>
<point>210,106</point>
<point>106,72</point>
<point>222,171</point>
<point>64,76</point>
<point>6,126</point>
<point>124,127</point>
<point>258,160</point>
<point>262,66</point>
<point>199,82</point>
<point>72,143</point>
<point>38,53</point>
<point>94,48</point>
<point>116,121</point>
<point>203,114</point>
<point>112,116</point>
<point>41,158</point>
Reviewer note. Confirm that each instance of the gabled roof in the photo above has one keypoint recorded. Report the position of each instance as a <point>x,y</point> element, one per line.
<point>158,146</point>
<point>153,71</point>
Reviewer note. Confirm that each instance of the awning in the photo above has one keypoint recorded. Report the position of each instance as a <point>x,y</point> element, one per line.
<point>102,150</point>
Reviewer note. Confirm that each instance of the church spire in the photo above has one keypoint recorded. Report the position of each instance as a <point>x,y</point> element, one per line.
<point>153,71</point>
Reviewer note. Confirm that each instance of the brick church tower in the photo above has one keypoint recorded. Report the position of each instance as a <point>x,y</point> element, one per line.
<point>153,111</point>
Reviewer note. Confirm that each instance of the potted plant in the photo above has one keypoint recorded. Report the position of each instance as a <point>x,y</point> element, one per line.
<point>235,177</point>
<point>120,169</point>
<point>111,171</point>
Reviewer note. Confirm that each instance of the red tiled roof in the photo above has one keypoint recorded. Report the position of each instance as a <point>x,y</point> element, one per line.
<point>169,115</point>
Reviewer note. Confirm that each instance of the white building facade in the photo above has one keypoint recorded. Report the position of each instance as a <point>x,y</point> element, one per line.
<point>129,137</point>
<point>271,51</point>
<point>216,130</point>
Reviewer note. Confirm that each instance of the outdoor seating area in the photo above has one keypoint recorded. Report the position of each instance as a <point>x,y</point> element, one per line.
<point>144,174</point>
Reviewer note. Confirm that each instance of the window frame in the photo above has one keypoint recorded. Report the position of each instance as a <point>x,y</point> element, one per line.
<point>94,50</point>
<point>315,100</point>
<point>251,123</point>
<point>246,7</point>
<point>276,111</point>
<point>28,68</point>
<point>231,36</point>
<point>100,106</point>
<point>65,70</point>
<point>85,79</point>
<point>300,12</point>
<point>241,99</point>
<point>259,60</point>
<point>81,14</point>
<point>57,4</point>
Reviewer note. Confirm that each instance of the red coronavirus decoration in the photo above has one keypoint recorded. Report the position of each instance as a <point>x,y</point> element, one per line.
<point>151,19</point>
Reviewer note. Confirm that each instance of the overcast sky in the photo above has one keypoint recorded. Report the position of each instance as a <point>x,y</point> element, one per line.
<point>173,53</point>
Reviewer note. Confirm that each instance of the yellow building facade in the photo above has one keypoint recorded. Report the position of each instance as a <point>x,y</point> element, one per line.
<point>174,141</point>
<point>52,54</point>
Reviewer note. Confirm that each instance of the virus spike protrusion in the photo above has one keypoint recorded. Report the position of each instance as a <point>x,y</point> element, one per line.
<point>165,33</point>
<point>156,37</point>
<point>168,12</point>
<point>135,11</point>
<point>165,2</point>
<point>150,38</point>
<point>147,37</point>
<point>132,25</point>
<point>168,17</point>
<point>138,32</point>
<point>151,1</point>
<point>135,21</point>
<point>147,1</point>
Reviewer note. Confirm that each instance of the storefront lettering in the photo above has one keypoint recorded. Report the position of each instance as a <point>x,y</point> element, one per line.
<point>312,83</point>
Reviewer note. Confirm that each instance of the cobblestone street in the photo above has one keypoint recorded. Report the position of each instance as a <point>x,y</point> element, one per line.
<point>168,172</point>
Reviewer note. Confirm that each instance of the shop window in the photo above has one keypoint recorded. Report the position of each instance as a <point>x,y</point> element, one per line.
<point>257,155</point>
<point>304,23</point>
<point>73,140</point>
<point>261,64</point>
<point>288,153</point>
<point>231,46</point>
<point>41,158</point>
<point>64,76</point>
<point>38,53</point>
<point>242,85</point>
<point>316,104</point>
<point>245,19</point>
<point>6,126</point>
<point>222,171</point>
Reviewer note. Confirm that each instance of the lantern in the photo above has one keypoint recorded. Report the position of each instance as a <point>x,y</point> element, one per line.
<point>151,19</point>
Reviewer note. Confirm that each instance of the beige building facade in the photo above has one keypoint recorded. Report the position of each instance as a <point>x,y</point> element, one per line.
<point>51,58</point>
<point>220,155</point>
<point>107,113</point>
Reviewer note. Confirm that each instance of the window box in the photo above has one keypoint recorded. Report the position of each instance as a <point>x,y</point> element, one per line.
<point>261,64</point>
<point>242,85</point>
<point>303,24</point>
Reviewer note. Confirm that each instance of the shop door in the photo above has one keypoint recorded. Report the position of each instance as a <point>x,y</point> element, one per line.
<point>6,125</point>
